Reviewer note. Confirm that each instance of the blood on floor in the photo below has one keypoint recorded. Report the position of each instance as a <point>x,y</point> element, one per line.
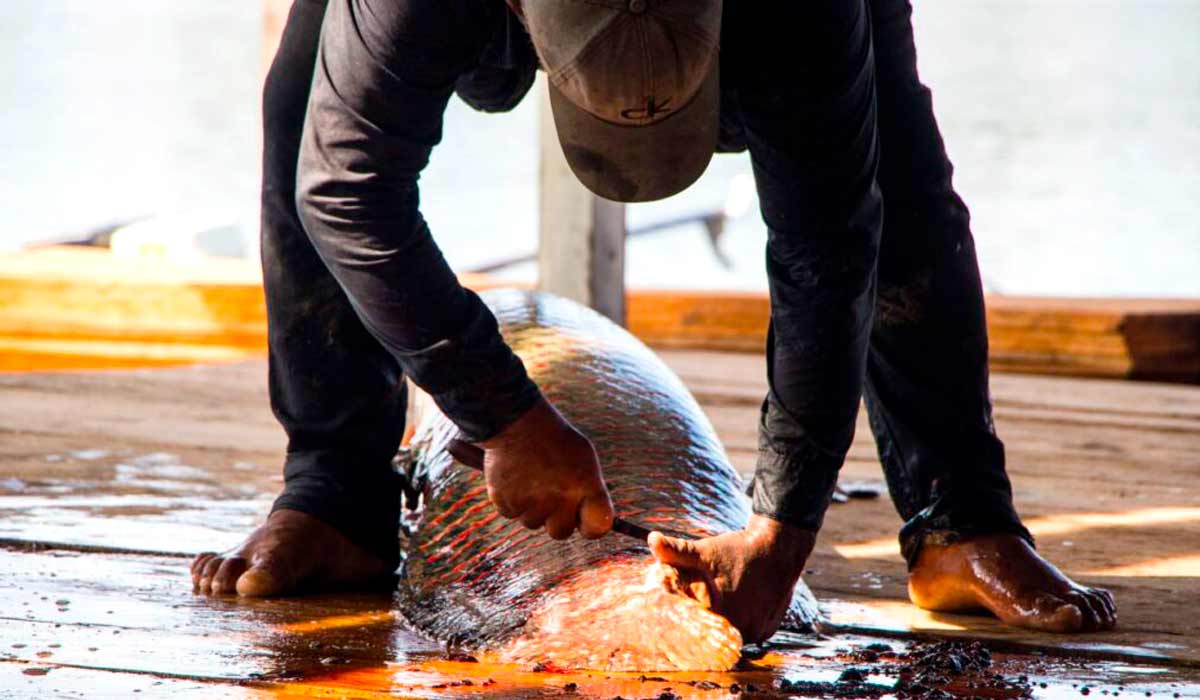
<point>839,667</point>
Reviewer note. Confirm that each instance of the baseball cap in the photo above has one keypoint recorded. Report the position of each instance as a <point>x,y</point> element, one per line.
<point>634,89</point>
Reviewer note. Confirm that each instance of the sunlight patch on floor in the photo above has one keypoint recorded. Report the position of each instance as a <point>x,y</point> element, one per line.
<point>1046,525</point>
<point>1187,566</point>
<point>896,615</point>
<point>339,621</point>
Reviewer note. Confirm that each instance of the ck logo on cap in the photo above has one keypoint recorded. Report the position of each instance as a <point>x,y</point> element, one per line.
<point>648,111</point>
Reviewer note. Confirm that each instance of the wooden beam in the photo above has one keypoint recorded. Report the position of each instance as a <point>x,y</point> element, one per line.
<point>1153,339</point>
<point>76,307</point>
<point>581,237</point>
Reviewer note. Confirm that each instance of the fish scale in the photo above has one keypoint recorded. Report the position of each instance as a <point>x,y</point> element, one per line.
<point>475,579</point>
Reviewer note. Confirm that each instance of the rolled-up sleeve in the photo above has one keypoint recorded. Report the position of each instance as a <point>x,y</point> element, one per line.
<point>385,72</point>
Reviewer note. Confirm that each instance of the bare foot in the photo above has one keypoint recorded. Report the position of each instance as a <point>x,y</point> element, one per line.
<point>290,553</point>
<point>1003,574</point>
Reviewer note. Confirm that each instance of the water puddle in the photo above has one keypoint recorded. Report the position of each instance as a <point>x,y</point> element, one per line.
<point>154,501</point>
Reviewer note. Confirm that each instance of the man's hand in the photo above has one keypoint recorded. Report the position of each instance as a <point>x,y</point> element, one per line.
<point>545,472</point>
<point>750,573</point>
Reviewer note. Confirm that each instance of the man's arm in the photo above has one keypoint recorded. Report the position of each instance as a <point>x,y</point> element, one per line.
<point>384,75</point>
<point>804,75</point>
<point>385,72</point>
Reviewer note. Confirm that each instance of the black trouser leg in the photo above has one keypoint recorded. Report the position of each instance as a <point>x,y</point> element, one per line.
<point>927,374</point>
<point>804,80</point>
<point>339,396</point>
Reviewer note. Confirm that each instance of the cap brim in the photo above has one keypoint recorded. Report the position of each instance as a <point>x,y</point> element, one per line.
<point>640,163</point>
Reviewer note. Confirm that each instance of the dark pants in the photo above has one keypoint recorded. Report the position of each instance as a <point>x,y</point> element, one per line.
<point>901,309</point>
<point>338,394</point>
<point>927,376</point>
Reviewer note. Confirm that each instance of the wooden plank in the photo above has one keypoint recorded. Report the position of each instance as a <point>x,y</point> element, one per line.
<point>131,623</point>
<point>42,680</point>
<point>767,677</point>
<point>445,680</point>
<point>729,321</point>
<point>1143,434</point>
<point>83,293</point>
<point>138,614</point>
<point>87,293</point>
<point>1104,471</point>
<point>224,423</point>
<point>76,307</point>
<point>218,407</point>
<point>84,308</point>
<point>180,460</point>
<point>48,353</point>
<point>1133,338</point>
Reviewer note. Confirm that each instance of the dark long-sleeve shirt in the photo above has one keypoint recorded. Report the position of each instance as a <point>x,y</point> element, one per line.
<point>798,91</point>
<point>383,77</point>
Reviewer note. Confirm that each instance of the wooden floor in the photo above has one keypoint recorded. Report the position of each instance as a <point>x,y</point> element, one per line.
<point>110,480</point>
<point>1105,475</point>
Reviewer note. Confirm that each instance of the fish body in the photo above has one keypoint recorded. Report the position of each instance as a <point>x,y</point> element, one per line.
<point>473,578</point>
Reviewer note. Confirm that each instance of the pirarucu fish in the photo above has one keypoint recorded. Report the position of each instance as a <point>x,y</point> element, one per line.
<point>474,579</point>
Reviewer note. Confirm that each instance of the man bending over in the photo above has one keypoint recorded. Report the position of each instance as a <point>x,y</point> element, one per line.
<point>874,285</point>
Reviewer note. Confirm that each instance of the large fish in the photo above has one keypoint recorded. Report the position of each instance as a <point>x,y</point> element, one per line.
<point>476,579</point>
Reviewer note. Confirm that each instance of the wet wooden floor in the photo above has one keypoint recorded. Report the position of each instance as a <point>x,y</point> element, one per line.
<point>109,481</point>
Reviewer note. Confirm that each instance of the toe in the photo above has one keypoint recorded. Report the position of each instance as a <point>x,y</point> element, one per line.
<point>1054,614</point>
<point>199,561</point>
<point>225,580</point>
<point>207,571</point>
<point>268,575</point>
<point>1103,601</point>
<point>198,566</point>
<point>259,582</point>
<point>1091,609</point>
<point>1067,618</point>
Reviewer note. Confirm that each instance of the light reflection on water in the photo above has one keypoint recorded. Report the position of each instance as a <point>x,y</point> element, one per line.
<point>1075,126</point>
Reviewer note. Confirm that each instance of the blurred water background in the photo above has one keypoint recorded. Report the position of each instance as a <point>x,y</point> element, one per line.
<point>1074,126</point>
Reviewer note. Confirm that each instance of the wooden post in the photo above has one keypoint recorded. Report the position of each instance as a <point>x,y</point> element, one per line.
<point>275,14</point>
<point>581,237</point>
